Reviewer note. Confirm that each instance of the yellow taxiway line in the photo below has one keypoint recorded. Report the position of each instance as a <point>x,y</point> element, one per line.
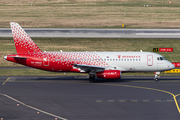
<point>174,96</point>
<point>6,81</point>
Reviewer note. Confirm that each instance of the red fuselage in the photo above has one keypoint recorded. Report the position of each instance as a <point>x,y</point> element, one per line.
<point>57,61</point>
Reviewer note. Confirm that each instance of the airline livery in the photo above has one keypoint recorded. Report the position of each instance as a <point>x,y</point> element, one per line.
<point>107,65</point>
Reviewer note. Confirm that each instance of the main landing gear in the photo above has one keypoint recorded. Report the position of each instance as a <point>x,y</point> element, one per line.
<point>91,78</point>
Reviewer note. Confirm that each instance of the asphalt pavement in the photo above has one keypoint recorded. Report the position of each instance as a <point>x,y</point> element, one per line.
<point>74,98</point>
<point>95,33</point>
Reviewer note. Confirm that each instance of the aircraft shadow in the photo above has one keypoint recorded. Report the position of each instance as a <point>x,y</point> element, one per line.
<point>99,80</point>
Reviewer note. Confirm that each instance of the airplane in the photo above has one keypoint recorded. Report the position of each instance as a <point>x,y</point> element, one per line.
<point>107,65</point>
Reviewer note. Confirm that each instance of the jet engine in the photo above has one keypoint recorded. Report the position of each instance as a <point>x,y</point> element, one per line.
<point>109,74</point>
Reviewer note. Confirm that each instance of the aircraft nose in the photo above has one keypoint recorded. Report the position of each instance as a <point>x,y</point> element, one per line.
<point>171,66</point>
<point>5,57</point>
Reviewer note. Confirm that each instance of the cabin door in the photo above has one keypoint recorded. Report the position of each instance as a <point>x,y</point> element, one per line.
<point>149,60</point>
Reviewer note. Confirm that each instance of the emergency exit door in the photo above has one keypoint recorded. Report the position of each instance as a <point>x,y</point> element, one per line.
<point>46,61</point>
<point>149,60</point>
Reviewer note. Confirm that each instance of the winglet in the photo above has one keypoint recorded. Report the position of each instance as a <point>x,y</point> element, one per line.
<point>22,41</point>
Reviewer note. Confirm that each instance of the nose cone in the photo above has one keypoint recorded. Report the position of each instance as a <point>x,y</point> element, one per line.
<point>5,57</point>
<point>171,66</point>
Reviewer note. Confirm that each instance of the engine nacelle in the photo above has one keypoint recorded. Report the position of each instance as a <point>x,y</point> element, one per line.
<point>109,74</point>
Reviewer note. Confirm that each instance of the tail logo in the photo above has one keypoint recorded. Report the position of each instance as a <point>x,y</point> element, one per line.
<point>23,43</point>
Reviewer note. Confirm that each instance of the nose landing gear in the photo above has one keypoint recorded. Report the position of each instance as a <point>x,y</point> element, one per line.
<point>156,77</point>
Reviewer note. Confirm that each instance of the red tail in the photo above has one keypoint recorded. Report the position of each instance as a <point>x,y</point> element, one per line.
<point>23,43</point>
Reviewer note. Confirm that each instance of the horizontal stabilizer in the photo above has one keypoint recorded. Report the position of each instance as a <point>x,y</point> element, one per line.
<point>18,57</point>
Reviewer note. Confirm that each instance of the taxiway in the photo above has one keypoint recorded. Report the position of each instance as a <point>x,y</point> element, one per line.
<point>74,98</point>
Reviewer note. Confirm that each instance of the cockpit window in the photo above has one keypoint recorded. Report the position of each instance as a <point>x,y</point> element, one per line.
<point>161,58</point>
<point>164,58</point>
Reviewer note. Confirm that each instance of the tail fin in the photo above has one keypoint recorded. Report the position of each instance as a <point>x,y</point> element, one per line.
<point>22,41</point>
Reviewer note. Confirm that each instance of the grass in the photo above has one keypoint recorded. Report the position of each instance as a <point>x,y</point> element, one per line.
<point>35,72</point>
<point>91,13</point>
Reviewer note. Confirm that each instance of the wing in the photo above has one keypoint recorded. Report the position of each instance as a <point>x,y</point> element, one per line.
<point>94,69</point>
<point>89,68</point>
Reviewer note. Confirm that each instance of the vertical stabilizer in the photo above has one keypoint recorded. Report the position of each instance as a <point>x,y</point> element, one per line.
<point>22,41</point>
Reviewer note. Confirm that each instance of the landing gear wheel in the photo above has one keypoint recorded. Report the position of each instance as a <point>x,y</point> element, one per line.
<point>91,78</point>
<point>156,79</point>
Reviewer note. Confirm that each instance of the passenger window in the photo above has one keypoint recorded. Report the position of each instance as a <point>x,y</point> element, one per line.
<point>104,59</point>
<point>121,59</point>
<point>127,59</point>
<point>107,59</point>
<point>124,59</point>
<point>157,58</point>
